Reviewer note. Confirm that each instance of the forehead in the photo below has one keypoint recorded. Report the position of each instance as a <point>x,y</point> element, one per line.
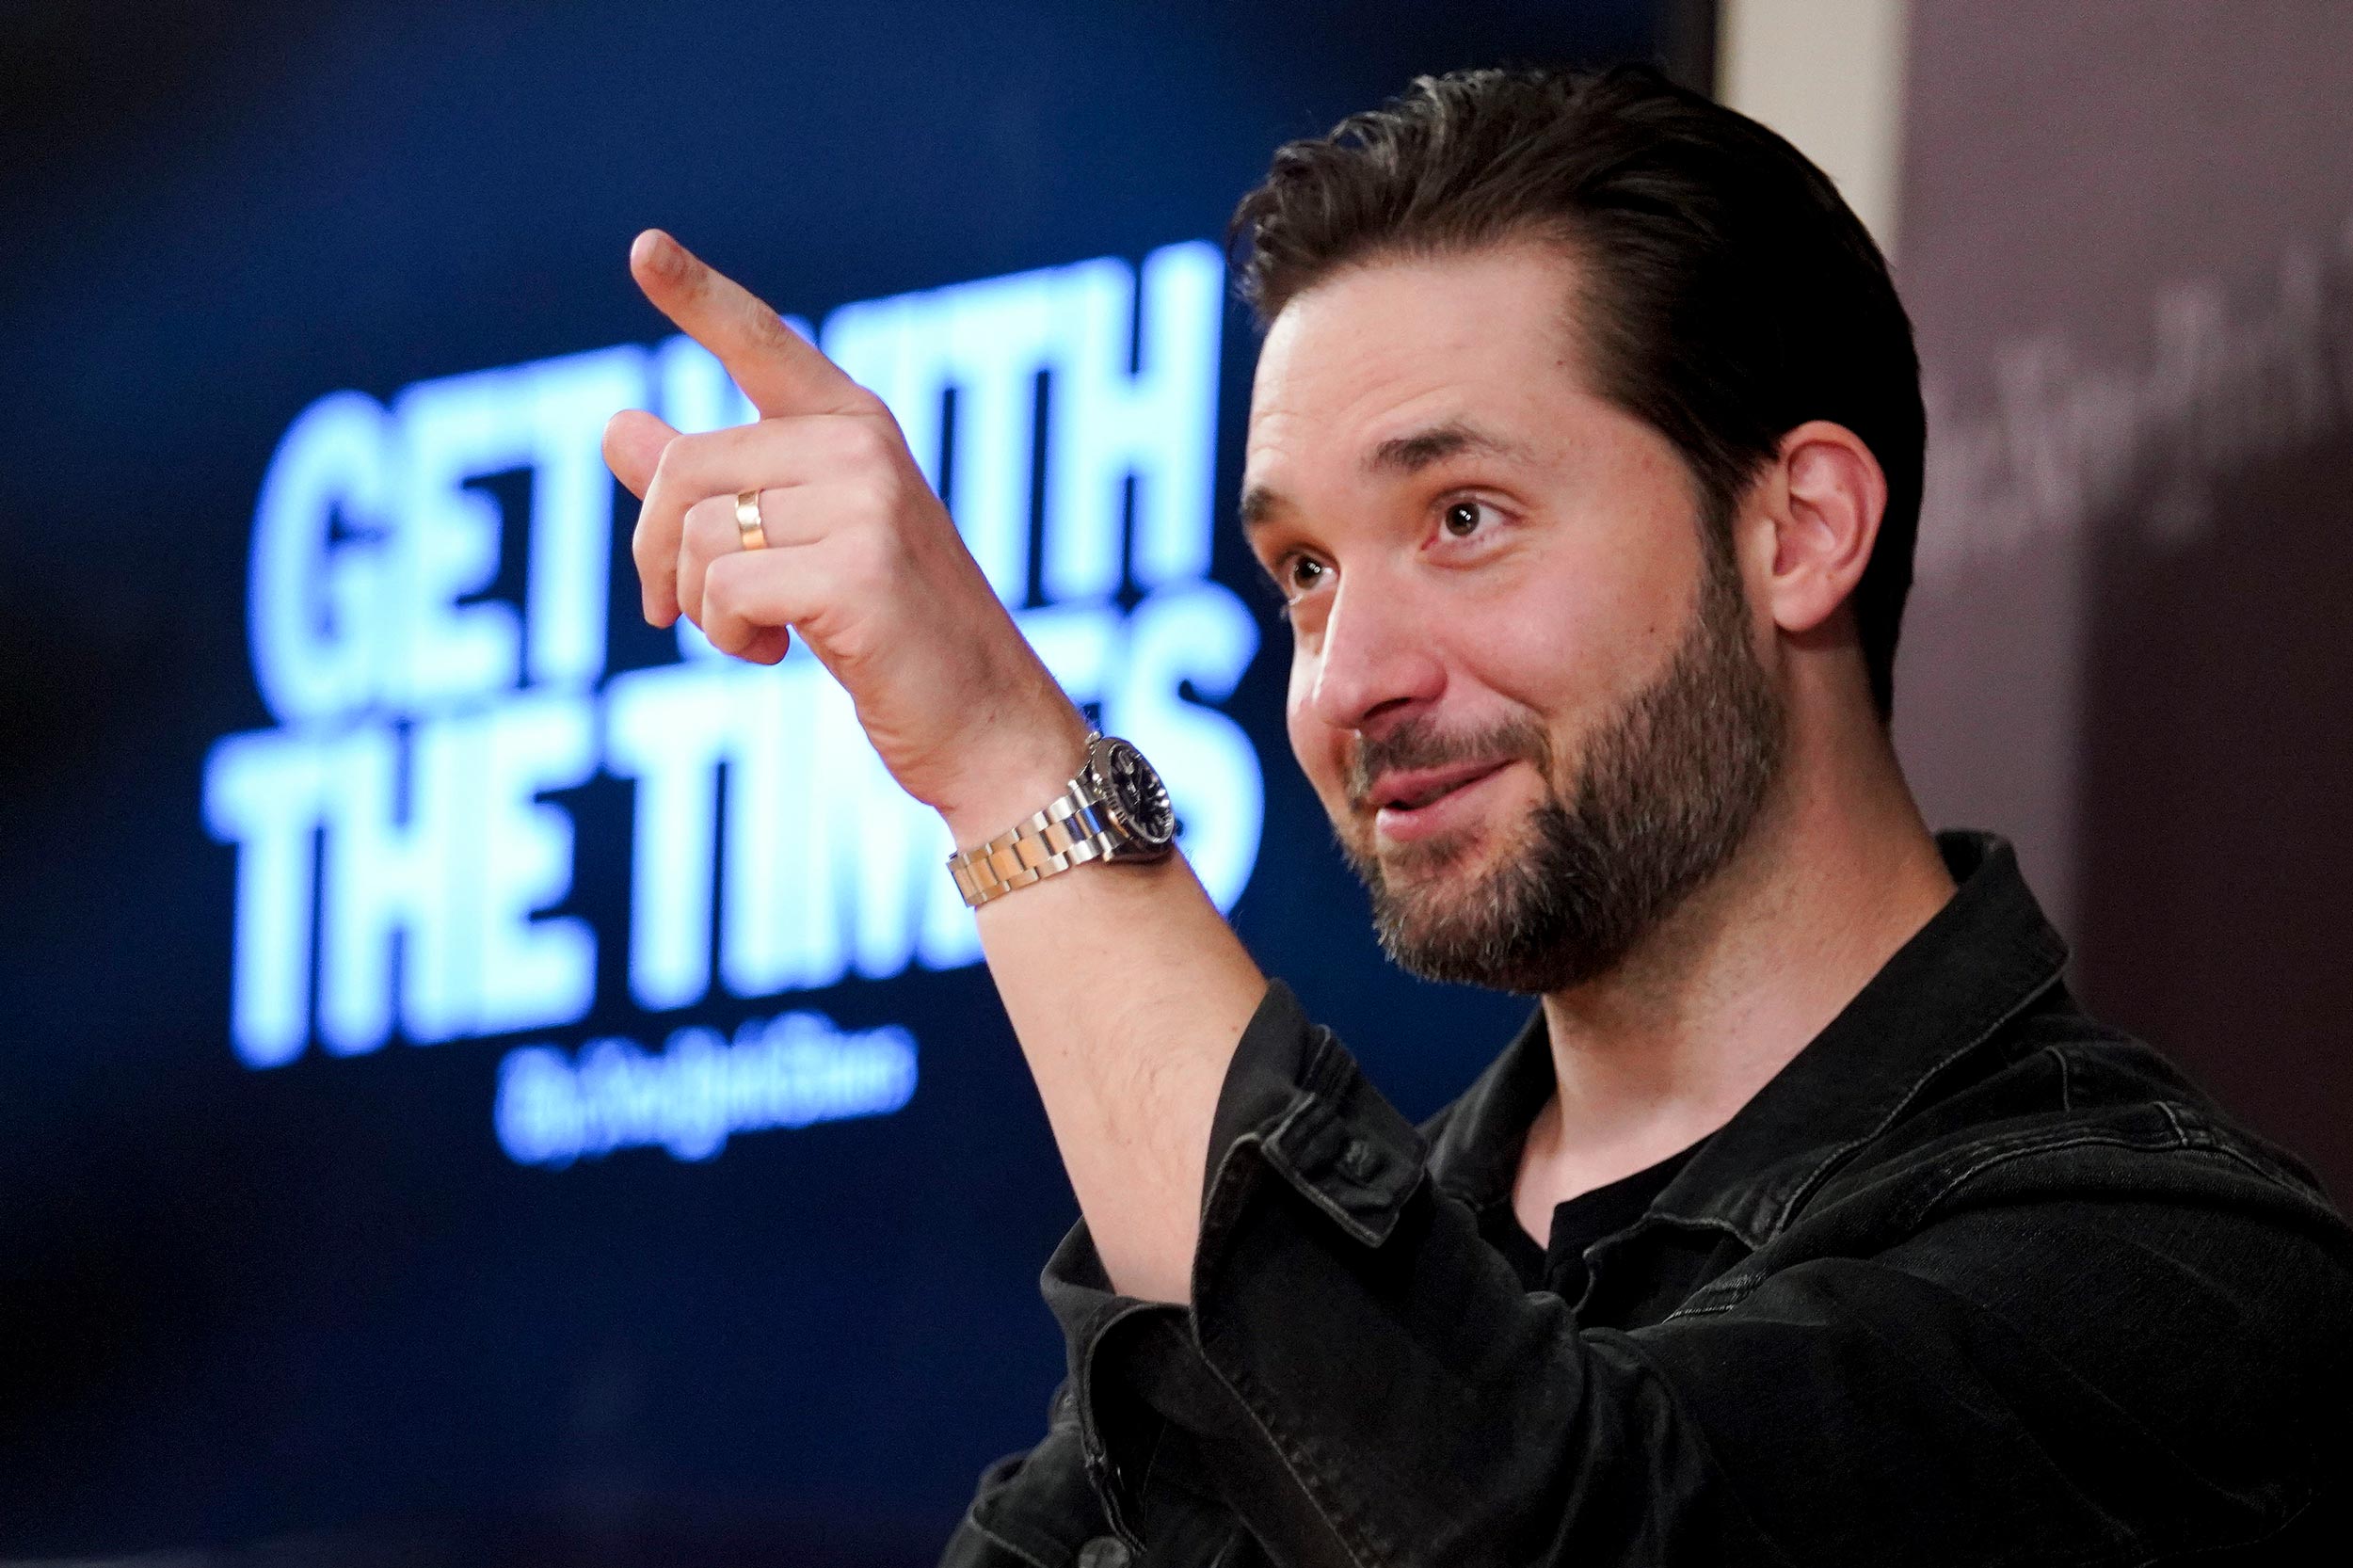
<point>1387,347</point>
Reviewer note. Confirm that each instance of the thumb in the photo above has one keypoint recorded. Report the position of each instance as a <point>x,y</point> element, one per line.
<point>634,441</point>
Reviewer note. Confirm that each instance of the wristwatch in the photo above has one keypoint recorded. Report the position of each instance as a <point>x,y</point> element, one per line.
<point>1115,809</point>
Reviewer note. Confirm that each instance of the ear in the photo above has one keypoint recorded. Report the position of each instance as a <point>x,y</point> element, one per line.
<point>1826,517</point>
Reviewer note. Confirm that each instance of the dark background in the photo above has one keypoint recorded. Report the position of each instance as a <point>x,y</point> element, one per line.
<point>2127,645</point>
<point>315,1305</point>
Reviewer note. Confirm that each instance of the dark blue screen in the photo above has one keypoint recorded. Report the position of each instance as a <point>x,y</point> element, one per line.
<point>476,1068</point>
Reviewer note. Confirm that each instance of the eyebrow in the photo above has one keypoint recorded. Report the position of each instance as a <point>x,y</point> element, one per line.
<point>1420,449</point>
<point>1258,506</point>
<point>1408,454</point>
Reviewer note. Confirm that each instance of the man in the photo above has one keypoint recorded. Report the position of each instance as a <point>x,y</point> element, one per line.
<point>1808,1221</point>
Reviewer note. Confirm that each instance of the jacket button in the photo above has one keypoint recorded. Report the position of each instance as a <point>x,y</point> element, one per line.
<point>1104,1551</point>
<point>1358,1162</point>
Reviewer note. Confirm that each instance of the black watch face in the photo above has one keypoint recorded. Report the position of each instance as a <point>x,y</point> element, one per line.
<point>1136,794</point>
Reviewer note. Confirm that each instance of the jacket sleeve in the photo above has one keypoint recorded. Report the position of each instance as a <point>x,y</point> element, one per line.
<point>1033,1510</point>
<point>1363,1378</point>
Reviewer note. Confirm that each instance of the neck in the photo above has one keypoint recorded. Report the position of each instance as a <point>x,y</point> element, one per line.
<point>1838,871</point>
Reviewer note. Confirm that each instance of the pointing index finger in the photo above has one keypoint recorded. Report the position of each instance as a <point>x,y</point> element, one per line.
<point>778,370</point>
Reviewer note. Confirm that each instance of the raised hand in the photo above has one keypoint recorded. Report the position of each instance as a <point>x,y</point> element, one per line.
<point>862,560</point>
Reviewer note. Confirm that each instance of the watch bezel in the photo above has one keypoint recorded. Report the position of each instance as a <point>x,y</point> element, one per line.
<point>1141,836</point>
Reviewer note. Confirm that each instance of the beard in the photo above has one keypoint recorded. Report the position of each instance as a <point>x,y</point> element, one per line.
<point>1669,787</point>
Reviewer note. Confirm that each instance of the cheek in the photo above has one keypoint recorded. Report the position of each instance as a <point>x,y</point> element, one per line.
<point>1313,742</point>
<point>1303,685</point>
<point>1538,659</point>
<point>1589,626</point>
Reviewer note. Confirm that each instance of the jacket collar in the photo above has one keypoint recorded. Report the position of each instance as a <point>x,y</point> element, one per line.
<point>1981,960</point>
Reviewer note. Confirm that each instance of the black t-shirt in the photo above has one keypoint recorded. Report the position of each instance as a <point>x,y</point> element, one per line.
<point>1577,1225</point>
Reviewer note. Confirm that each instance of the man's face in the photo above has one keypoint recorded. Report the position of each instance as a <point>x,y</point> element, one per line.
<point>1525,690</point>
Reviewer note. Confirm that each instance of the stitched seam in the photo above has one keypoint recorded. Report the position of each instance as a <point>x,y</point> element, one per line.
<point>2175,1123</point>
<point>2269,1178</point>
<point>1296,1466</point>
<point>1733,1228</point>
<point>1274,1151</point>
<point>2198,1134</point>
<point>1090,1435</point>
<point>1326,1069</point>
<point>1653,1221</point>
<point>1151,1462</point>
<point>2067,1089</point>
<point>1821,1172</point>
<point>1360,1551</point>
<point>1358,1230</point>
<point>1986,1162</point>
<point>1658,1217</point>
<point>2021,1151</point>
<point>1895,1112</point>
<point>1753,1241</point>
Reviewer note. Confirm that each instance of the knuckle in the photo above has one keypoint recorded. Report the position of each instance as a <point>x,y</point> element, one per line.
<point>666,467</point>
<point>861,403</point>
<point>703,519</point>
<point>680,457</point>
<point>768,329</point>
<point>720,588</point>
<point>874,442</point>
<point>839,442</point>
<point>875,494</point>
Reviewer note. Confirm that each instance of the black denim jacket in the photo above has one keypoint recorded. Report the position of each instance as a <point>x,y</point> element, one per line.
<point>1973,1280</point>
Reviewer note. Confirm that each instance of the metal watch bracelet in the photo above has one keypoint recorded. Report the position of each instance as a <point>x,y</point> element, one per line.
<point>1069,832</point>
<point>1115,808</point>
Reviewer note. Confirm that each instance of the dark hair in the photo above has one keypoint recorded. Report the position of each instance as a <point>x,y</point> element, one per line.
<point>1734,294</point>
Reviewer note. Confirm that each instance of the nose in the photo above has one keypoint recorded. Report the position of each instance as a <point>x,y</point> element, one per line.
<point>1375,659</point>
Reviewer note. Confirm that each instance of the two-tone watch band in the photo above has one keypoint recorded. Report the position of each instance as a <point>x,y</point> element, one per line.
<point>1069,832</point>
<point>1115,809</point>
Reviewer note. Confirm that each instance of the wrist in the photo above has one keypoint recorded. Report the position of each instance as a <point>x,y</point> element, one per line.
<point>1016,780</point>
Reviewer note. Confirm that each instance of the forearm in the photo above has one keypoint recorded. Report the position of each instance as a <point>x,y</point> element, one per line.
<point>1126,987</point>
<point>1127,991</point>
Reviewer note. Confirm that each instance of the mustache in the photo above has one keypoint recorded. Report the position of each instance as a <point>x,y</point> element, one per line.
<point>1421,743</point>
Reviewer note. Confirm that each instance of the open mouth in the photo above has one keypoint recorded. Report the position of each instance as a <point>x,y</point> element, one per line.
<point>1412,806</point>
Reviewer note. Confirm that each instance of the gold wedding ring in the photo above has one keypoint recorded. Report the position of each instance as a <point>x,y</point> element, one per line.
<point>747,520</point>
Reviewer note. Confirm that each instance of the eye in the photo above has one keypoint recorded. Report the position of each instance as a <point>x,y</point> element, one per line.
<point>1293,577</point>
<point>1461,518</point>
